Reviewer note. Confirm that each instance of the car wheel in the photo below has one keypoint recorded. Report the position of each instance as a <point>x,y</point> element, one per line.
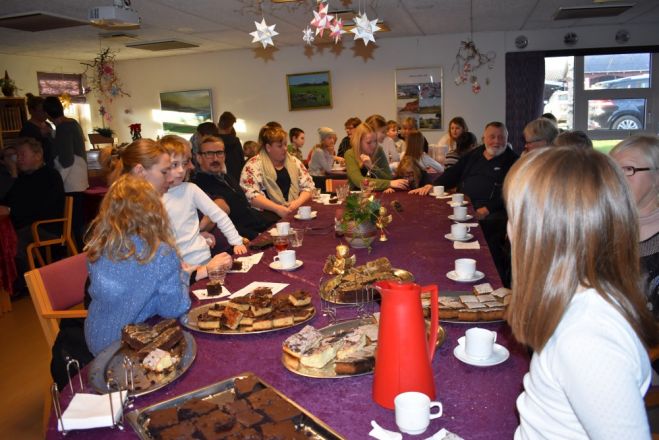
<point>627,123</point>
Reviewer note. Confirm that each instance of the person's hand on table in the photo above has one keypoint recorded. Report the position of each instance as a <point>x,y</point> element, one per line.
<point>423,191</point>
<point>482,212</point>
<point>210,239</point>
<point>240,249</point>
<point>388,191</point>
<point>398,184</point>
<point>282,211</point>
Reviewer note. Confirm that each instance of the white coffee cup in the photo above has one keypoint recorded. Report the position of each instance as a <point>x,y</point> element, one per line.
<point>304,211</point>
<point>465,268</point>
<point>460,212</point>
<point>478,342</point>
<point>438,190</point>
<point>459,230</point>
<point>286,259</point>
<point>283,228</point>
<point>457,198</point>
<point>413,412</point>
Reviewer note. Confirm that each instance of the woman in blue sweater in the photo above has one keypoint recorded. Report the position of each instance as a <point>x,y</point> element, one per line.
<point>134,269</point>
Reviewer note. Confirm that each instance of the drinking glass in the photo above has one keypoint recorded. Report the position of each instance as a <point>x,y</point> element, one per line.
<point>280,242</point>
<point>296,237</point>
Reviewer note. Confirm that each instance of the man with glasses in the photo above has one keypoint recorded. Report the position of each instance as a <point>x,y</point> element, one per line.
<point>213,179</point>
<point>539,133</point>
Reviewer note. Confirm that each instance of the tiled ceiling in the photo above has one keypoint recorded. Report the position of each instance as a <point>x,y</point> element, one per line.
<point>225,24</point>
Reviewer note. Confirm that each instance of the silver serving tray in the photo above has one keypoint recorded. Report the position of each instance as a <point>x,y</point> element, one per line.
<point>189,321</point>
<point>327,372</point>
<point>458,321</point>
<point>359,296</point>
<point>109,363</point>
<point>222,392</point>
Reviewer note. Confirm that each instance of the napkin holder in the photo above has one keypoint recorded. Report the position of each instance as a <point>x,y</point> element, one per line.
<point>116,408</point>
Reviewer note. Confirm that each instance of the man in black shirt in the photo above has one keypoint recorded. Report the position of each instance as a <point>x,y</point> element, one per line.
<point>225,190</point>
<point>480,175</point>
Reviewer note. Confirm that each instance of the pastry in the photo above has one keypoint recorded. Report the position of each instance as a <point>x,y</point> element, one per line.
<point>302,341</point>
<point>319,357</point>
<point>241,303</point>
<point>299,298</point>
<point>165,341</point>
<point>263,323</point>
<point>482,289</point>
<point>282,319</point>
<point>206,321</point>
<point>216,310</point>
<point>231,317</point>
<point>351,343</point>
<point>159,361</point>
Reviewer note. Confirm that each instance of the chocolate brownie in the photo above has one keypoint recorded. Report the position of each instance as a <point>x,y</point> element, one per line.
<point>161,419</point>
<point>236,407</point>
<point>280,410</point>
<point>245,385</point>
<point>182,431</point>
<point>195,408</point>
<point>263,398</point>
<point>281,431</point>
<point>237,265</point>
<point>249,418</point>
<point>246,434</point>
<point>215,424</point>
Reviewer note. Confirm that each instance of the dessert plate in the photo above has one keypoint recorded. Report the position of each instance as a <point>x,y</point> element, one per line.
<point>313,215</point>
<point>276,265</point>
<point>467,217</point>
<point>454,204</point>
<point>478,275</point>
<point>465,238</point>
<point>499,355</point>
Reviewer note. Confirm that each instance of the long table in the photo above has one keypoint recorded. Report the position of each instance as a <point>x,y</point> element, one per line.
<point>479,403</point>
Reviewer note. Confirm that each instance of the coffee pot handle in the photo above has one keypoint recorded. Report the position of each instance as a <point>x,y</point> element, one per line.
<point>434,321</point>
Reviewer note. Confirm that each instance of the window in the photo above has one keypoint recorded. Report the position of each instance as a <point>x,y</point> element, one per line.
<point>608,96</point>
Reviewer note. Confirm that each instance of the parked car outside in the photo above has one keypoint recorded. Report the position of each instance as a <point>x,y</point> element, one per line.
<point>616,114</point>
<point>560,105</point>
<point>630,82</point>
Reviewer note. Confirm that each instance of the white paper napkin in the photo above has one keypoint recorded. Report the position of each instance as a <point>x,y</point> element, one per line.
<point>275,287</point>
<point>471,225</point>
<point>382,434</point>
<point>466,245</point>
<point>444,434</point>
<point>92,411</point>
<point>248,262</point>
<point>202,294</point>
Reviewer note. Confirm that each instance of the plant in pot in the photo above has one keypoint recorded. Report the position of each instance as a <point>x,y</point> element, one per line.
<point>358,220</point>
<point>7,85</point>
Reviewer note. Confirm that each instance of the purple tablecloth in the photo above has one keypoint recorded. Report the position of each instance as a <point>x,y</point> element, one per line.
<point>479,403</point>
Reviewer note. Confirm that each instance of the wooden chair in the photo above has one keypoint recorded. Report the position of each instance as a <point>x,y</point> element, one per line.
<point>33,249</point>
<point>56,289</point>
<point>332,184</point>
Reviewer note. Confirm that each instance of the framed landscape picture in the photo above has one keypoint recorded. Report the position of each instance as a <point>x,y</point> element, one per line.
<point>419,96</point>
<point>182,112</point>
<point>309,90</point>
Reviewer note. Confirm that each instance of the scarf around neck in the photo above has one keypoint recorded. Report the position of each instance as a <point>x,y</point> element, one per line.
<point>270,178</point>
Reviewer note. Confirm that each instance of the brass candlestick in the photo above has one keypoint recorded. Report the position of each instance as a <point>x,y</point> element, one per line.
<point>382,222</point>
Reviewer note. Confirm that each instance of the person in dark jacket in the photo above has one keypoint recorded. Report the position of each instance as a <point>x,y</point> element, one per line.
<point>234,156</point>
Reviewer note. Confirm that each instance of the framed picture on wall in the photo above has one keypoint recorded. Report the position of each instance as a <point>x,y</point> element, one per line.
<point>182,112</point>
<point>419,96</point>
<point>309,90</point>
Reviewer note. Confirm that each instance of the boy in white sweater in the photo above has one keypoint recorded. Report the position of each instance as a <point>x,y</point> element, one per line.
<point>182,201</point>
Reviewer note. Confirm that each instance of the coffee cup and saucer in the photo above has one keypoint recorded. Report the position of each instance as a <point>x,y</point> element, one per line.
<point>465,271</point>
<point>460,214</point>
<point>459,232</point>
<point>457,199</point>
<point>478,347</point>
<point>305,213</point>
<point>285,261</point>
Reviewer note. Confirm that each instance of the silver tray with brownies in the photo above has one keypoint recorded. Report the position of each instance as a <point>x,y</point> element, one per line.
<point>257,312</point>
<point>244,407</point>
<point>482,304</point>
<point>153,356</point>
<point>344,349</point>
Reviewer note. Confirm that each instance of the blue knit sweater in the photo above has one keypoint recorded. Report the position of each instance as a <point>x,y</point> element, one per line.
<point>125,292</point>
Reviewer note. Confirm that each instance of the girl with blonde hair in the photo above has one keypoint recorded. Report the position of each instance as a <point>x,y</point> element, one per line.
<point>366,161</point>
<point>134,269</point>
<point>577,297</point>
<point>414,150</point>
<point>145,158</point>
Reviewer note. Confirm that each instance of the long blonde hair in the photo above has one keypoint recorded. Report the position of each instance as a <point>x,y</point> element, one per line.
<point>145,152</point>
<point>356,140</point>
<point>572,223</point>
<point>130,209</point>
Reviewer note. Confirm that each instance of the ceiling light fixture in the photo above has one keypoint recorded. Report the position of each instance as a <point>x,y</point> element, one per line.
<point>119,15</point>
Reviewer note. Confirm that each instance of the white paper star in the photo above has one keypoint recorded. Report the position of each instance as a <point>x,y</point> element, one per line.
<point>336,29</point>
<point>321,20</point>
<point>364,28</point>
<point>264,33</point>
<point>307,36</point>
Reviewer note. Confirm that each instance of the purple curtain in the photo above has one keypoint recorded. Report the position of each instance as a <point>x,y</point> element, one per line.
<point>525,82</point>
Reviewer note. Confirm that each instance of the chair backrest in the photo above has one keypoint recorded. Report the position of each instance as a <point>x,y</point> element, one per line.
<point>55,289</point>
<point>332,184</point>
<point>65,239</point>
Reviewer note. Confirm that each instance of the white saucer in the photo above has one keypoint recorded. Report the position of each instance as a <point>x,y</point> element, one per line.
<point>465,238</point>
<point>452,275</point>
<point>276,265</point>
<point>453,204</point>
<point>499,354</point>
<point>313,215</point>
<point>468,217</point>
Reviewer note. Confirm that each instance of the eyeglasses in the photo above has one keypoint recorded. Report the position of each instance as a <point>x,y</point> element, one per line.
<point>630,171</point>
<point>217,153</point>
<point>532,141</point>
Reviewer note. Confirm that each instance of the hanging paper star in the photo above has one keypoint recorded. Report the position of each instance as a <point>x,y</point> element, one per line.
<point>307,36</point>
<point>321,20</point>
<point>364,28</point>
<point>336,29</point>
<point>264,33</point>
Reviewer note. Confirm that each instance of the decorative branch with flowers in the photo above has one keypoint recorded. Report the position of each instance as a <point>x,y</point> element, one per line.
<point>468,60</point>
<point>102,78</point>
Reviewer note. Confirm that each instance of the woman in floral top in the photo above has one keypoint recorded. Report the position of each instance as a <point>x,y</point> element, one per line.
<point>273,180</point>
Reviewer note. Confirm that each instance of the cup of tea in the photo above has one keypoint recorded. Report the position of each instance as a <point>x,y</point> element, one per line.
<point>460,212</point>
<point>413,412</point>
<point>286,259</point>
<point>465,268</point>
<point>438,191</point>
<point>478,342</point>
<point>304,212</point>
<point>458,198</point>
<point>296,237</point>
<point>459,231</point>
<point>283,228</point>
<point>280,242</point>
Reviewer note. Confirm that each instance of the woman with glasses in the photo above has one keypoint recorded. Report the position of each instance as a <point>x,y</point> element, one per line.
<point>638,157</point>
<point>274,180</point>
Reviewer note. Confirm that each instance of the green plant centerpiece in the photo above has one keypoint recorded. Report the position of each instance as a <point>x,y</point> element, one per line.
<point>104,131</point>
<point>358,220</point>
<point>7,85</point>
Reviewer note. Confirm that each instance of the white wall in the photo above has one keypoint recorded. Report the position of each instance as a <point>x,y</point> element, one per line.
<point>23,70</point>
